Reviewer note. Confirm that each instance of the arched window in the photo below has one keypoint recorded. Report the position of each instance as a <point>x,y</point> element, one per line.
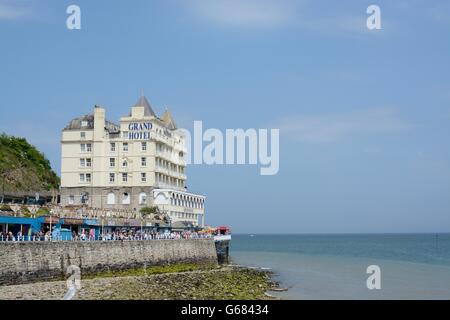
<point>111,199</point>
<point>142,198</point>
<point>126,198</point>
<point>84,197</point>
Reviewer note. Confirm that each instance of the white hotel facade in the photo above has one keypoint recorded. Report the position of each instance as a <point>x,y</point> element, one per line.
<point>128,166</point>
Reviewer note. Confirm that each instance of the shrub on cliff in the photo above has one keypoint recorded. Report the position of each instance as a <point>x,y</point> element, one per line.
<point>23,167</point>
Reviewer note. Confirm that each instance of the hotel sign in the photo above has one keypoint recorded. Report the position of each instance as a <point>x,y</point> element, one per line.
<point>70,221</point>
<point>139,130</point>
<point>53,220</point>
<point>91,222</point>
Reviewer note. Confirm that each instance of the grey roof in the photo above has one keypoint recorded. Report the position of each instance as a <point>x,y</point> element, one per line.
<point>77,124</point>
<point>168,120</point>
<point>112,127</point>
<point>143,102</point>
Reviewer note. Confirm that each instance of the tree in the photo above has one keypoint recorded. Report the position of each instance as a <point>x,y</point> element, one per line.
<point>149,211</point>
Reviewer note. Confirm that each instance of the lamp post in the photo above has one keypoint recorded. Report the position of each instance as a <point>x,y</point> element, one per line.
<point>50,225</point>
<point>103,223</point>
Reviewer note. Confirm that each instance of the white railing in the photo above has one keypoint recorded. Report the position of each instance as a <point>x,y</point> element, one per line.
<point>104,238</point>
<point>224,237</point>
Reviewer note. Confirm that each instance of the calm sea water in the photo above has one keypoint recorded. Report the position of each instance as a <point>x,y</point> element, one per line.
<point>413,266</point>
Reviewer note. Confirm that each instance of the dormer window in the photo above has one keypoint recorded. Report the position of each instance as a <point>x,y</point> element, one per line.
<point>84,123</point>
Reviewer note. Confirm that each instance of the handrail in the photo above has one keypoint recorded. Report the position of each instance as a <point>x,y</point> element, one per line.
<point>101,239</point>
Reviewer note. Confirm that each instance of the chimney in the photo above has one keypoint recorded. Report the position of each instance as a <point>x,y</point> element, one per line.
<point>99,122</point>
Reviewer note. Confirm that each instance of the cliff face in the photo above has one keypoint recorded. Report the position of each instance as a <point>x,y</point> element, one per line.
<point>23,167</point>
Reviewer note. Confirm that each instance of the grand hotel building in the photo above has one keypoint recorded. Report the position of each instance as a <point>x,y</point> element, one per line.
<point>134,164</point>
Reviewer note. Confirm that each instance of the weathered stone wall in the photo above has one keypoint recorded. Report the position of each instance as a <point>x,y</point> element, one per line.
<point>98,196</point>
<point>22,262</point>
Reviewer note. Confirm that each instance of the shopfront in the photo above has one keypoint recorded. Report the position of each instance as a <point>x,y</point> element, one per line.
<point>72,224</point>
<point>91,228</point>
<point>19,225</point>
<point>49,223</point>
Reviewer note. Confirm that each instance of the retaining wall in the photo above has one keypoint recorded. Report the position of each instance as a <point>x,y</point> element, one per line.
<point>22,262</point>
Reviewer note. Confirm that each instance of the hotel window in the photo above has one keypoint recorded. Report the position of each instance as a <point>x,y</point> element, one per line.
<point>125,135</point>
<point>88,147</point>
<point>89,162</point>
<point>83,135</point>
<point>84,197</point>
<point>82,163</point>
<point>84,123</point>
<point>112,177</point>
<point>142,198</point>
<point>125,146</point>
<point>143,146</point>
<point>71,199</point>
<point>143,177</point>
<point>111,199</point>
<point>83,147</point>
<point>82,178</point>
<point>126,198</point>
<point>125,163</point>
<point>112,162</point>
<point>112,146</point>
<point>144,162</point>
<point>88,177</point>
<point>124,177</point>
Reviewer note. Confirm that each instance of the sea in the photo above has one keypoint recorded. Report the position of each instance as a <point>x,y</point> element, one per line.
<point>408,266</point>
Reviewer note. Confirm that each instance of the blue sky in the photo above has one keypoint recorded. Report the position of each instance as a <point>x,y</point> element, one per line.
<point>364,116</point>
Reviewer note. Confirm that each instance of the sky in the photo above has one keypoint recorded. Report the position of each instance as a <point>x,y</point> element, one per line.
<point>364,115</point>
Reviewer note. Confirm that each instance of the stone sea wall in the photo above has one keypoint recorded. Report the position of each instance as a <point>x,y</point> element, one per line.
<point>24,262</point>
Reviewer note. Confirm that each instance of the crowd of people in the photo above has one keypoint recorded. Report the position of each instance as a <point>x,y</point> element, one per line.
<point>36,236</point>
<point>127,235</point>
<point>117,235</point>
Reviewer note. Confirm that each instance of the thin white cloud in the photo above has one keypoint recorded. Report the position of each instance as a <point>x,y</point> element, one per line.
<point>245,13</point>
<point>269,14</point>
<point>333,127</point>
<point>13,11</point>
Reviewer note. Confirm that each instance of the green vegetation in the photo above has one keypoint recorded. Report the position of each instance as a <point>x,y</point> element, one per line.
<point>153,213</point>
<point>160,269</point>
<point>23,167</point>
<point>43,211</point>
<point>166,282</point>
<point>216,284</point>
<point>146,211</point>
<point>5,208</point>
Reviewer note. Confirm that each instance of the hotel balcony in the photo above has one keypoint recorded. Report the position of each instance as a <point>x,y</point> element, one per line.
<point>163,185</point>
<point>170,157</point>
<point>171,173</point>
